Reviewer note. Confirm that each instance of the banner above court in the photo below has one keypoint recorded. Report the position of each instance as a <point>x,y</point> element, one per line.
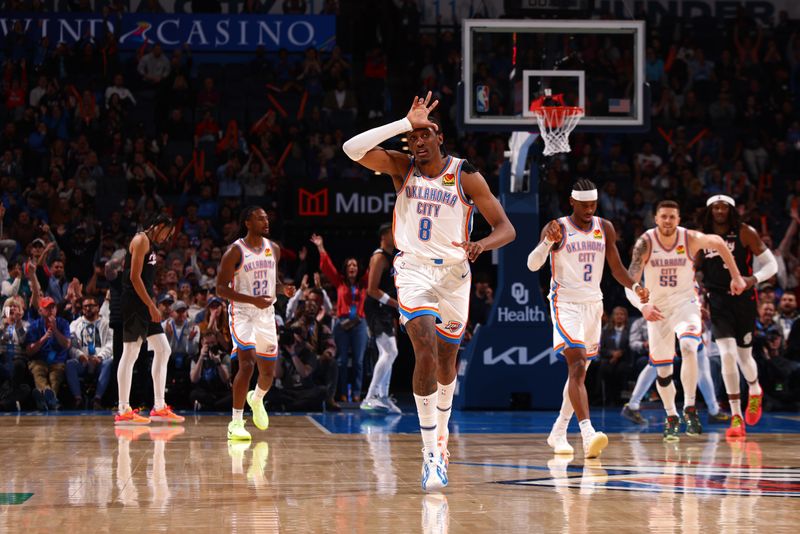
<point>203,33</point>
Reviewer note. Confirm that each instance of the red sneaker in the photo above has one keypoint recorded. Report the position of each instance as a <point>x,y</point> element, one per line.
<point>131,417</point>
<point>737,429</point>
<point>166,415</point>
<point>753,413</point>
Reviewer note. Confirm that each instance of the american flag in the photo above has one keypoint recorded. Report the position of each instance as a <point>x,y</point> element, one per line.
<point>619,105</point>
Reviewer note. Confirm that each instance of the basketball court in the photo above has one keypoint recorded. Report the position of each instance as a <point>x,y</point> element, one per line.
<point>358,473</point>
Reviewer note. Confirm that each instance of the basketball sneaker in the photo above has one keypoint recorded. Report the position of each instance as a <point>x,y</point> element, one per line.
<point>753,413</point>
<point>693,425</point>
<point>237,432</point>
<point>390,404</point>
<point>260,417</point>
<point>672,427</point>
<point>593,445</point>
<point>131,417</point>
<point>374,404</point>
<point>558,442</point>
<point>635,416</point>
<point>434,472</point>
<point>719,417</point>
<point>166,415</point>
<point>737,428</point>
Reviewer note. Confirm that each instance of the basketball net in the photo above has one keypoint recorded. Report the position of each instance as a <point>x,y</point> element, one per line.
<point>556,122</point>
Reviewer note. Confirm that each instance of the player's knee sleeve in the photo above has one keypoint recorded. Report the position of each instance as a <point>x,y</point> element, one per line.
<point>664,381</point>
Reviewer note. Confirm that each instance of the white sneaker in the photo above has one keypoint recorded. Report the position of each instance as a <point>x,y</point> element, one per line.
<point>558,442</point>
<point>434,472</point>
<point>393,408</point>
<point>374,404</point>
<point>594,445</point>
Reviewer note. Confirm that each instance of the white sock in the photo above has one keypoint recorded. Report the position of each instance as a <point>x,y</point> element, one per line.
<point>426,410</point>
<point>238,414</point>
<point>444,406</point>
<point>130,353</point>
<point>749,369</point>
<point>258,393</point>
<point>730,372</point>
<point>587,430</point>
<point>667,393</point>
<point>689,370</point>
<point>161,351</point>
<point>643,383</point>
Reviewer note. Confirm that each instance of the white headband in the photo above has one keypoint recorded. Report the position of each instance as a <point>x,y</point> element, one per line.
<point>585,196</point>
<point>721,198</point>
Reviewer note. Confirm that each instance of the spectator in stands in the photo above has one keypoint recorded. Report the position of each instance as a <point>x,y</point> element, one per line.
<point>615,361</point>
<point>295,369</point>
<point>481,300</point>
<point>215,319</point>
<point>154,66</point>
<point>183,336</point>
<point>91,353</point>
<point>58,283</point>
<point>765,328</point>
<point>210,375</point>
<point>319,340</point>
<point>787,313</point>
<point>47,344</point>
<point>350,330</point>
<point>14,390</point>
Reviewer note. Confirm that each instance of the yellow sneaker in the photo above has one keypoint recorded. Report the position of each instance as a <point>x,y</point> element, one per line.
<point>237,432</point>
<point>131,417</point>
<point>260,417</point>
<point>166,415</point>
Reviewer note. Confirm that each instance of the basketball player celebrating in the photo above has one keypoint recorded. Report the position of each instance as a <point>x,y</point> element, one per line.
<point>665,254</point>
<point>381,311</point>
<point>733,317</point>
<point>432,220</point>
<point>247,277</point>
<point>141,320</point>
<point>578,247</point>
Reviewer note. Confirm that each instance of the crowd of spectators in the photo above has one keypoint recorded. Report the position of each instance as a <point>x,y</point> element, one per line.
<point>95,140</point>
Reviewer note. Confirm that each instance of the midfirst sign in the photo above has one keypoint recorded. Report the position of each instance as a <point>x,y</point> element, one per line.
<point>344,202</point>
<point>209,33</point>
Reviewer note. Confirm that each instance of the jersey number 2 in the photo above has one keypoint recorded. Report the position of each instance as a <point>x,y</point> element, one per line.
<point>425,229</point>
<point>587,272</point>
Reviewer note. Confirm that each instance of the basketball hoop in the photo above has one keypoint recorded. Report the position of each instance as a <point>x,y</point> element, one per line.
<point>555,125</point>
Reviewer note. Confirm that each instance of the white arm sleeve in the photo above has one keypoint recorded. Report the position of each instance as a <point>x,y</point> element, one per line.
<point>765,266</point>
<point>538,256</point>
<point>633,298</point>
<point>358,146</point>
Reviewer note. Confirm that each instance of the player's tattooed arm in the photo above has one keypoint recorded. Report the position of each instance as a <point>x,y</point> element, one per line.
<point>639,256</point>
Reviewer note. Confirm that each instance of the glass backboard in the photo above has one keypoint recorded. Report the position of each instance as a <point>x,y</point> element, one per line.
<point>597,65</point>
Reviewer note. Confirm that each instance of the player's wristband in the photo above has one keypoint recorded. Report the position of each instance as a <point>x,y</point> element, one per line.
<point>636,287</point>
<point>384,299</point>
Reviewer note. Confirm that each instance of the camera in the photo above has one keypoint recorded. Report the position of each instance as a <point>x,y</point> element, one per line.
<point>287,338</point>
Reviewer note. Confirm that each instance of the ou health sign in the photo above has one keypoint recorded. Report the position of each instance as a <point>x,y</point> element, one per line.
<point>209,33</point>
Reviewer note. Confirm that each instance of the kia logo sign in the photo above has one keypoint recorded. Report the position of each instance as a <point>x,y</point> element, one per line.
<point>312,204</point>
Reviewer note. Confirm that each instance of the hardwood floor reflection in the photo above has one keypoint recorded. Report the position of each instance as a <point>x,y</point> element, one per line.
<point>80,474</point>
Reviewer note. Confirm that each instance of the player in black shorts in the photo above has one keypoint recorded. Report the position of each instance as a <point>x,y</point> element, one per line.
<point>381,312</point>
<point>141,321</point>
<point>733,317</point>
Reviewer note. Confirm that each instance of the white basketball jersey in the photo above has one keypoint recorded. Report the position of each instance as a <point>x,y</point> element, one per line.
<point>255,274</point>
<point>577,266</point>
<point>669,272</point>
<point>432,212</point>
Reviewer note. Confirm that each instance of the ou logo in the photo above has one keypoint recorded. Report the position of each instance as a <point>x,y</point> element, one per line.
<point>519,293</point>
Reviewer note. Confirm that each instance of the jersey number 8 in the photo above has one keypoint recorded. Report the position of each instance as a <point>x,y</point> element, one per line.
<point>425,229</point>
